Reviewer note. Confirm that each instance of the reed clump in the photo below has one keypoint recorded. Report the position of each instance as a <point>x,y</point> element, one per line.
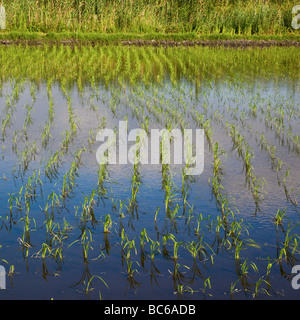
<point>151,16</point>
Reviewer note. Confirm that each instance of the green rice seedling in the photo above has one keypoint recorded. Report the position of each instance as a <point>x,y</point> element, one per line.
<point>130,270</point>
<point>10,201</point>
<point>86,239</point>
<point>173,214</point>
<point>176,248</point>
<point>199,221</point>
<point>66,140</point>
<point>6,122</point>
<point>194,248</point>
<point>27,155</point>
<point>33,92</point>
<point>127,247</point>
<point>65,188</point>
<point>170,195</point>
<point>155,215</point>
<point>25,246</point>
<point>177,275</point>
<point>257,188</point>
<point>18,199</point>
<point>217,162</point>
<point>44,250</point>
<point>51,167</point>
<point>135,185</point>
<point>46,135</point>
<point>14,142</point>
<point>290,243</point>
<point>25,241</point>
<point>279,216</point>
<point>90,282</point>
<point>54,200</point>
<point>184,186</point>
<point>208,131</point>
<point>217,187</point>
<point>102,177</point>
<point>144,238</point>
<point>51,103</point>
<point>206,284</point>
<point>28,120</point>
<point>233,289</point>
<point>238,248</point>
<point>57,235</point>
<point>11,271</point>
<point>219,224</point>
<point>154,249</point>
<point>107,223</point>
<point>258,289</point>
<point>87,208</point>
<point>182,289</point>
<point>271,149</point>
<point>121,214</point>
<point>166,237</point>
<point>244,271</point>
<point>190,216</point>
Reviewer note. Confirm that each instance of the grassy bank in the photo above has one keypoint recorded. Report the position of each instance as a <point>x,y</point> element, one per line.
<point>193,17</point>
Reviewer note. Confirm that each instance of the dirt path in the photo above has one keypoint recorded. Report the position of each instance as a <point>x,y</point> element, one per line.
<point>161,43</point>
<point>214,43</point>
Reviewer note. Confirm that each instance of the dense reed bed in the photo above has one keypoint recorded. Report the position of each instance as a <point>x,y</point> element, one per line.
<point>150,16</point>
<point>71,228</point>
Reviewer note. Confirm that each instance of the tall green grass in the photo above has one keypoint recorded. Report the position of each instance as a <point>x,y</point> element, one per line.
<point>148,16</point>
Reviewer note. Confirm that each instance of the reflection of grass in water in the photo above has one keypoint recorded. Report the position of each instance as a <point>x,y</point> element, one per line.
<point>109,64</point>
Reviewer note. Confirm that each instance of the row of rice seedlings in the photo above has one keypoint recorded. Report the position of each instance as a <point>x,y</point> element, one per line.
<point>56,234</point>
<point>52,165</point>
<point>28,120</point>
<point>70,175</point>
<point>278,124</point>
<point>87,209</point>
<point>21,201</point>
<point>246,153</point>
<point>6,122</point>
<point>135,185</point>
<point>290,244</point>
<point>278,163</point>
<point>27,155</point>
<point>46,135</point>
<point>295,140</point>
<point>233,229</point>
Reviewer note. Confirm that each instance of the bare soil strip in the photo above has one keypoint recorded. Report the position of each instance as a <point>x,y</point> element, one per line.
<point>161,43</point>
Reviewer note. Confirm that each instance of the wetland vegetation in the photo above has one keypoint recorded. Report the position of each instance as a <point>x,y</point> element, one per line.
<point>111,22</point>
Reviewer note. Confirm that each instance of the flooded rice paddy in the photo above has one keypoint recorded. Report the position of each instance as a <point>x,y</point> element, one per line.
<point>73,229</point>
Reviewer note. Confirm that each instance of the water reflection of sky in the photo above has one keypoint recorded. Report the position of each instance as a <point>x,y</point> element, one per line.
<point>89,112</point>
